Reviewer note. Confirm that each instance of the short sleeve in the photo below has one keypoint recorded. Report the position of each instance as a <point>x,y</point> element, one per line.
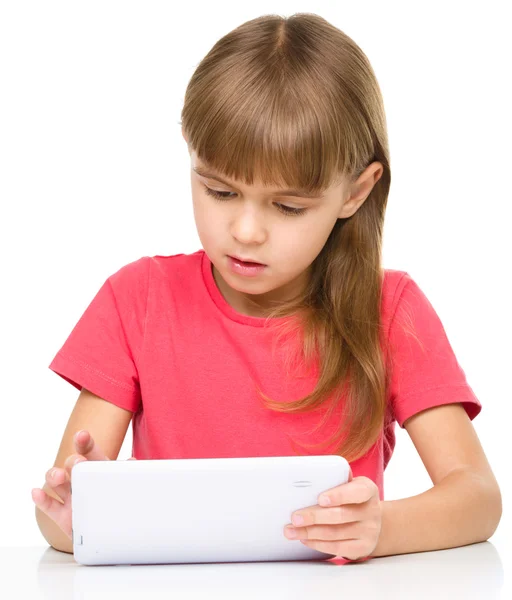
<point>425,370</point>
<point>100,354</point>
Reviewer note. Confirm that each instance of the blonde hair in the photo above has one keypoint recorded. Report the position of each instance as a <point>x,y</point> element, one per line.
<point>294,102</point>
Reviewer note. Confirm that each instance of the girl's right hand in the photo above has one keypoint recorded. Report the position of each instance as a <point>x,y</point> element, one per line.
<point>60,481</point>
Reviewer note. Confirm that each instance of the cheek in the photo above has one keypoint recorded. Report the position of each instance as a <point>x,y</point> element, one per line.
<point>289,242</point>
<point>208,225</point>
<point>294,256</point>
<point>204,211</point>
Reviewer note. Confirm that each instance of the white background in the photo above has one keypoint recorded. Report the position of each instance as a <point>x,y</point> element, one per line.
<point>94,173</point>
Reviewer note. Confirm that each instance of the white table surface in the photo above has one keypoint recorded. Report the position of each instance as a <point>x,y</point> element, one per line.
<point>469,572</point>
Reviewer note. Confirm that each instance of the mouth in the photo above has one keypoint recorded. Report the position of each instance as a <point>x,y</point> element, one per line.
<point>247,261</point>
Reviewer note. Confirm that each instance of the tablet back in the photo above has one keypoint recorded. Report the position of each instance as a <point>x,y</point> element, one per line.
<point>196,510</point>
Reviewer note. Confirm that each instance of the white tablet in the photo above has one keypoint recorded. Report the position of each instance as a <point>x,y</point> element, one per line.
<point>196,510</point>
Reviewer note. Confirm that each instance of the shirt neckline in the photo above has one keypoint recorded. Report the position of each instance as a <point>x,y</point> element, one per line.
<point>221,302</point>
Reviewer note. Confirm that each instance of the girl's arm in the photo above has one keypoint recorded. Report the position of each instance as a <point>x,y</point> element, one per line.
<point>463,507</point>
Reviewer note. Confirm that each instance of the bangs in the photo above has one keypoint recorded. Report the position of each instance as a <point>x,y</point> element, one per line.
<point>269,135</point>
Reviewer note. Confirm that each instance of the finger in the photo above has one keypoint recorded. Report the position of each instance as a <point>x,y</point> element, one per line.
<point>71,461</point>
<point>347,549</point>
<point>49,506</point>
<point>356,491</point>
<point>58,480</point>
<point>87,447</point>
<point>334,515</point>
<point>345,531</point>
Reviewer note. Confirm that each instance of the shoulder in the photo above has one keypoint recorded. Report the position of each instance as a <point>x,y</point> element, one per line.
<point>139,274</point>
<point>174,265</point>
<point>393,284</point>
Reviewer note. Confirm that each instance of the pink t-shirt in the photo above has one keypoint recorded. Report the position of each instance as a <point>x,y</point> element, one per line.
<point>160,340</point>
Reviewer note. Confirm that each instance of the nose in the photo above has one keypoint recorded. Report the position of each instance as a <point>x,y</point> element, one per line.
<point>247,227</point>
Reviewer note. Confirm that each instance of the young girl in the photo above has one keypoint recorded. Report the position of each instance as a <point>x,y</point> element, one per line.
<point>283,335</point>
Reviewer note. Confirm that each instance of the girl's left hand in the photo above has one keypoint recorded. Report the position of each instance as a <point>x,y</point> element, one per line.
<point>348,527</point>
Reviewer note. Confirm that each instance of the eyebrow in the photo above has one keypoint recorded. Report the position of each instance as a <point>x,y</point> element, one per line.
<point>301,194</point>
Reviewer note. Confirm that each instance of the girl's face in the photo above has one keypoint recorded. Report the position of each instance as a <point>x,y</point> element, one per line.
<point>284,232</point>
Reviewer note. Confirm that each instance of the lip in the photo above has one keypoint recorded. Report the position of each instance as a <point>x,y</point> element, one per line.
<point>245,269</point>
<point>247,260</point>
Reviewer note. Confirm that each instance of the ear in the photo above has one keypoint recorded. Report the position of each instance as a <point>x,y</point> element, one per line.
<point>360,189</point>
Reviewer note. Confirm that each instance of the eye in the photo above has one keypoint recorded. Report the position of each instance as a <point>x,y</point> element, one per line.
<point>286,210</point>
